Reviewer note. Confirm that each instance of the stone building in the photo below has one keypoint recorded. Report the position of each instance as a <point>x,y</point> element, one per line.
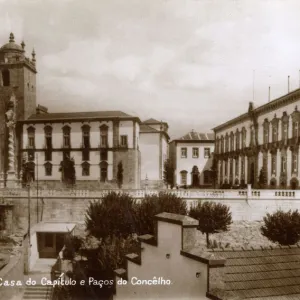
<point>261,146</point>
<point>95,142</point>
<point>154,149</point>
<point>191,157</point>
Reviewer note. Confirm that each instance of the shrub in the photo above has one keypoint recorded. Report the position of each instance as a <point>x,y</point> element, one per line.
<point>112,216</point>
<point>155,204</point>
<point>213,217</point>
<point>282,227</point>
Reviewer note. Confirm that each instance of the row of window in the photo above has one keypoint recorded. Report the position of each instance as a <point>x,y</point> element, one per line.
<point>237,140</point>
<point>85,155</point>
<point>283,167</point>
<point>85,170</point>
<point>67,137</point>
<point>195,152</point>
<point>183,177</point>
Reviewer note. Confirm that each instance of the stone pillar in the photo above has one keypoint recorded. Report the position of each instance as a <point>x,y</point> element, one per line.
<point>233,169</point>
<point>246,169</point>
<point>269,167</point>
<point>278,165</point>
<point>288,166</point>
<point>239,168</point>
<point>260,161</point>
<point>290,128</point>
<point>279,130</point>
<point>116,137</point>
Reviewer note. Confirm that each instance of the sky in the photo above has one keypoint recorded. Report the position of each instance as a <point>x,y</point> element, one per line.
<point>191,63</point>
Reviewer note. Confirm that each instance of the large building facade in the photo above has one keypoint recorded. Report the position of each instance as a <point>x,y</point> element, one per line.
<point>261,147</point>
<point>101,145</point>
<point>192,157</point>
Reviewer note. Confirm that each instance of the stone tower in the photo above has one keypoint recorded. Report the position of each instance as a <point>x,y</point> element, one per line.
<point>17,102</point>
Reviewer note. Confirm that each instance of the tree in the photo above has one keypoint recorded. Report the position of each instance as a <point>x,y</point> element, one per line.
<point>112,216</point>
<point>155,204</point>
<point>120,174</point>
<point>282,227</point>
<point>213,217</point>
<point>263,178</point>
<point>67,167</point>
<point>168,174</point>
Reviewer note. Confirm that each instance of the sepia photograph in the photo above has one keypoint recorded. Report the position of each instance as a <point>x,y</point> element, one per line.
<point>149,149</point>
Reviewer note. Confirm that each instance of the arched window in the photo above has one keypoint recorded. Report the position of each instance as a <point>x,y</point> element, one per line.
<point>31,137</point>
<point>86,136</point>
<point>6,78</point>
<point>103,171</point>
<point>66,137</point>
<point>103,136</point>
<point>48,142</point>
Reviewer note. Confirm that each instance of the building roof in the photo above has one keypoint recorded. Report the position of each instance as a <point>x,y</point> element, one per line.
<point>79,115</point>
<point>196,136</point>
<point>261,274</point>
<point>152,121</point>
<point>147,129</point>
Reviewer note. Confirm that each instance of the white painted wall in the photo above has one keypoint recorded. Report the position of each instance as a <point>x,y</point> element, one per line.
<point>179,269</point>
<point>149,148</point>
<point>187,163</point>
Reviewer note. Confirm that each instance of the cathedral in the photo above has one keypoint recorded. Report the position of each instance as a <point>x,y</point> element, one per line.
<point>101,149</point>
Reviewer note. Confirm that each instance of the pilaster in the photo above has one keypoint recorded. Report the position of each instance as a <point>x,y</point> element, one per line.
<point>278,165</point>
<point>290,128</point>
<point>288,166</point>
<point>269,167</point>
<point>246,169</point>
<point>279,130</point>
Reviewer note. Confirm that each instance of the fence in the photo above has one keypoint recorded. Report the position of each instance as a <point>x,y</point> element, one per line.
<point>140,194</point>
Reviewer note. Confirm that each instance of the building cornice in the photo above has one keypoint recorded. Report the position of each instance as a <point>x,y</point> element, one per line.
<point>80,119</point>
<point>265,108</point>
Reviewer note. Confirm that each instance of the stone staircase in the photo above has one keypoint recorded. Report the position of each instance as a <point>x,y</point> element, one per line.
<point>38,292</point>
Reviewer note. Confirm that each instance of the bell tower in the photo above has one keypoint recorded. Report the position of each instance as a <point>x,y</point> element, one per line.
<point>18,97</point>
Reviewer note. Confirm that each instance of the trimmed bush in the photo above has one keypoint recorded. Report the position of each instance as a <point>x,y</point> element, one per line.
<point>282,227</point>
<point>213,217</point>
<point>112,216</point>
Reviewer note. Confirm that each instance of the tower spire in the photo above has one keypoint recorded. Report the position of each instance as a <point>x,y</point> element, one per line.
<point>11,38</point>
<point>33,56</point>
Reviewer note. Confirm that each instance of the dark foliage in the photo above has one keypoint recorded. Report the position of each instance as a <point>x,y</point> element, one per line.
<point>112,216</point>
<point>213,217</point>
<point>155,204</point>
<point>168,173</point>
<point>262,180</point>
<point>294,183</point>
<point>282,227</point>
<point>120,174</point>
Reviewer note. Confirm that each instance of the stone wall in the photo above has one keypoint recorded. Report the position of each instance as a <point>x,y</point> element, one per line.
<point>12,271</point>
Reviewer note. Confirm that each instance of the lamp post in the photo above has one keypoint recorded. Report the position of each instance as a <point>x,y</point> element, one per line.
<point>28,189</point>
<point>37,187</point>
<point>146,182</point>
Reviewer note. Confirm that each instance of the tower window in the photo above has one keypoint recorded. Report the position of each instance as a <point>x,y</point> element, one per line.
<point>86,136</point>
<point>6,78</point>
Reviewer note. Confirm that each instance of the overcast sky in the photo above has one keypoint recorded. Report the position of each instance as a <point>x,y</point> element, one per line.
<point>187,62</point>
